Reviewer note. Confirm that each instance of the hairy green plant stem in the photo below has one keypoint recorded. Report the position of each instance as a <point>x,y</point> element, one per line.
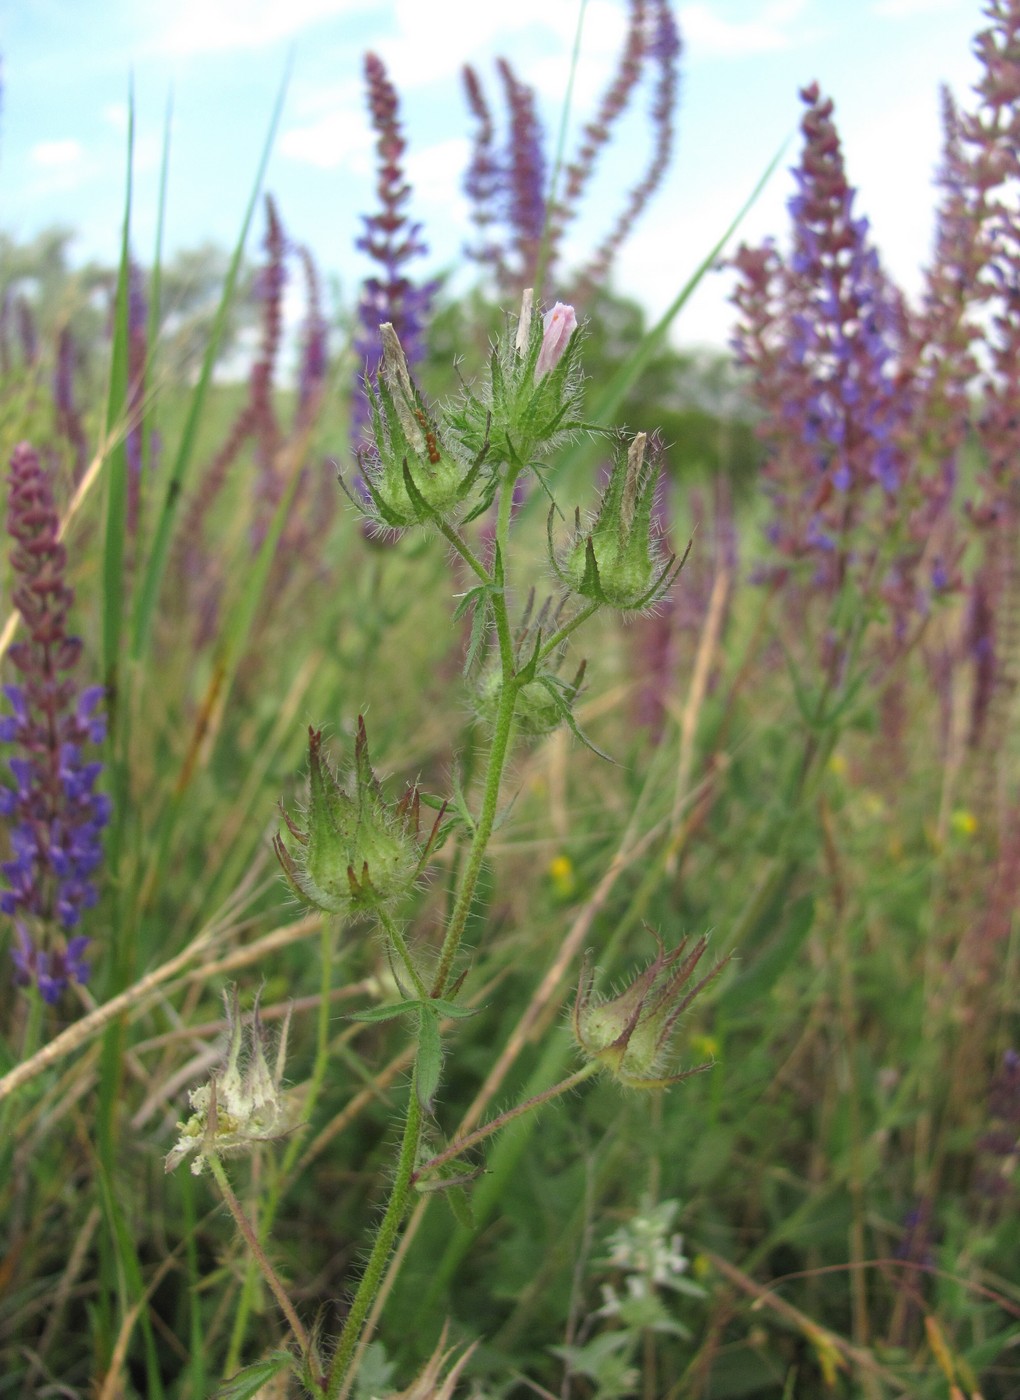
<point>381,1249</point>
<point>464,1144</point>
<point>502,733</point>
<point>274,1195</point>
<point>258,1254</point>
<point>561,635</point>
<point>464,550</point>
<point>411,1142</point>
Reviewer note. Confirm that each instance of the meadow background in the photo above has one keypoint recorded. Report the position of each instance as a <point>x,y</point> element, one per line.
<point>812,735</point>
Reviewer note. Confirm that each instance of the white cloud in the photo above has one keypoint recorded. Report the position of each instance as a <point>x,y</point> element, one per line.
<point>115,114</point>
<point>707,32</point>
<point>908,9</point>
<point>60,166</point>
<point>57,155</point>
<point>337,137</point>
<point>207,26</point>
<point>435,175</point>
<point>426,47</point>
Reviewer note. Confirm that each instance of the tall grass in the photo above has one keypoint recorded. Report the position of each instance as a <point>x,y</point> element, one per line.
<point>434,1087</point>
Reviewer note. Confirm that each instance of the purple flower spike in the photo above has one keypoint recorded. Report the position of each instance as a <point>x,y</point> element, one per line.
<point>55,813</point>
<point>390,240</point>
<point>824,334</point>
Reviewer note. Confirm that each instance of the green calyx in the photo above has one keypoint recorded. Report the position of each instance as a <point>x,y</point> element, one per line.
<point>629,1034</point>
<point>359,853</point>
<point>616,562</point>
<point>415,476</point>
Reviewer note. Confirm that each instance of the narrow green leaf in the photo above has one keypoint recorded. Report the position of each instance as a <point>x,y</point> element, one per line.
<point>470,599</point>
<point>116,460</point>
<point>457,1199</point>
<point>430,1057</point>
<point>555,689</point>
<point>451,1009</point>
<point>376,1014</point>
<point>247,1383</point>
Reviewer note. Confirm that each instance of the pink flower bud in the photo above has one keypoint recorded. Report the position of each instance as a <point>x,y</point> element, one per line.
<point>559,325</point>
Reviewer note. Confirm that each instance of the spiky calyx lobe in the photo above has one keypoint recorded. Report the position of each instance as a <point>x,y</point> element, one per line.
<point>359,853</point>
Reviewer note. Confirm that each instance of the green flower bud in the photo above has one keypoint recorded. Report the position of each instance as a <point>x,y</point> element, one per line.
<point>241,1106</point>
<point>415,476</point>
<point>359,853</point>
<point>616,561</point>
<point>544,698</point>
<point>629,1034</point>
<point>531,399</point>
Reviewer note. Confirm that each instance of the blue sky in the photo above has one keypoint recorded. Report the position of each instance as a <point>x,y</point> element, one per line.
<point>67,66</point>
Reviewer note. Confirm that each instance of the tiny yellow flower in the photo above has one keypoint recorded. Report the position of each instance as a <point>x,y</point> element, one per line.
<point>963,821</point>
<point>706,1046</point>
<point>563,877</point>
<point>837,765</point>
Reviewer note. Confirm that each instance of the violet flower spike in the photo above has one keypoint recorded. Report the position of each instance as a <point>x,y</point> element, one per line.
<point>390,240</point>
<point>56,815</point>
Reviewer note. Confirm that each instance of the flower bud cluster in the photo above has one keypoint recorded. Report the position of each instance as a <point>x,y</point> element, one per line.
<point>359,853</point>
<point>544,698</point>
<point>417,474</point>
<point>530,400</point>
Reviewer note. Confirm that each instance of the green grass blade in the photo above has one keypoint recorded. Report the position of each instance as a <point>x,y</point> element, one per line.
<point>130,1285</point>
<point>551,201</point>
<point>230,651</point>
<point>148,594</point>
<point>155,294</point>
<point>116,471</point>
<point>632,368</point>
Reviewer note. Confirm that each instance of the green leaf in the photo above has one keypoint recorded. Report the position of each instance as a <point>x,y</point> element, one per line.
<point>479,628</point>
<point>384,1013</point>
<point>429,1061</point>
<point>470,599</point>
<point>451,1009</point>
<point>116,457</point>
<point>457,1199</point>
<point>148,592</point>
<point>251,1379</point>
<point>566,713</point>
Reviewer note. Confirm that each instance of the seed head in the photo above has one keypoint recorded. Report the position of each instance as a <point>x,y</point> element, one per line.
<point>243,1104</point>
